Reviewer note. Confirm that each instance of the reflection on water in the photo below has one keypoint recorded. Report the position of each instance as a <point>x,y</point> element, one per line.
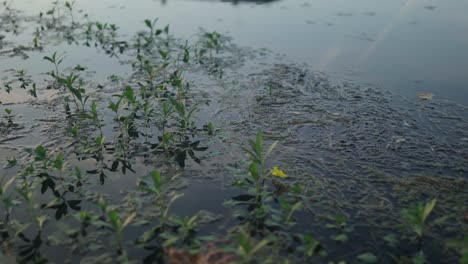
<point>384,41</point>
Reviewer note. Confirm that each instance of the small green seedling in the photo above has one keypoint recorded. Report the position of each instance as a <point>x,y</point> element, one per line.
<point>9,116</point>
<point>70,6</point>
<point>56,60</point>
<point>78,93</point>
<point>247,248</point>
<point>155,187</point>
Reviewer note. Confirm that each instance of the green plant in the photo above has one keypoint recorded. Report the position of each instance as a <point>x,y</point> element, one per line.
<point>247,247</point>
<point>186,228</point>
<point>27,194</point>
<point>415,218</point>
<point>288,209</point>
<point>151,25</point>
<point>23,79</point>
<point>11,162</point>
<point>72,84</point>
<point>56,60</point>
<point>33,90</point>
<point>36,42</point>
<point>341,227</point>
<point>186,51</point>
<point>308,245</point>
<point>163,199</point>
<point>70,5</point>
<point>126,123</point>
<point>118,224</point>
<point>257,173</point>
<point>210,41</point>
<point>8,116</point>
<point>6,198</point>
<point>461,246</point>
<point>269,87</point>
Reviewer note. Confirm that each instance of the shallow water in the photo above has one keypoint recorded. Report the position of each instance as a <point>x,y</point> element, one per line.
<point>409,46</point>
<point>344,80</point>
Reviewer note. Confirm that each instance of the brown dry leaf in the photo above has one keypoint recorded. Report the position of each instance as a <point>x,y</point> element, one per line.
<point>210,256</point>
<point>425,96</point>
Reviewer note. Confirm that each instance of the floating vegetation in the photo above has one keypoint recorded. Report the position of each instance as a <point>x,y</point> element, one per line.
<point>105,169</point>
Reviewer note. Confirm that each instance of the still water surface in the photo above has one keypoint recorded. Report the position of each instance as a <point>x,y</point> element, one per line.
<point>407,46</point>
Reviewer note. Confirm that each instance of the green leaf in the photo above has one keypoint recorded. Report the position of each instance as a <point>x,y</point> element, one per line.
<point>428,208</point>
<point>129,95</point>
<point>148,23</point>
<point>253,171</point>
<point>270,149</point>
<point>259,246</point>
<point>7,184</point>
<point>113,217</point>
<point>156,176</point>
<point>391,240</point>
<point>419,258</point>
<point>40,152</point>
<point>367,258</point>
<point>129,219</point>
<point>340,238</point>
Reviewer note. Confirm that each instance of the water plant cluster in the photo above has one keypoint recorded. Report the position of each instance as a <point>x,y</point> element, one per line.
<point>144,132</point>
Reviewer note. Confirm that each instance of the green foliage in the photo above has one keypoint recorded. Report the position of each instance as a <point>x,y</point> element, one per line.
<point>209,42</point>
<point>308,245</point>
<point>8,116</point>
<point>415,217</point>
<point>56,60</point>
<point>367,258</point>
<point>461,246</point>
<point>72,84</point>
<point>247,247</point>
<point>163,199</point>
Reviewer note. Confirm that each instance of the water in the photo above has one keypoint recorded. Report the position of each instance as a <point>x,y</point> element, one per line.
<point>392,43</point>
<point>344,79</point>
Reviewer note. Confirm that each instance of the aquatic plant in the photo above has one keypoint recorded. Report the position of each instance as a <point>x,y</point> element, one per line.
<point>247,247</point>
<point>72,83</point>
<point>6,197</point>
<point>54,12</point>
<point>56,60</point>
<point>153,117</point>
<point>70,5</point>
<point>27,194</point>
<point>415,218</point>
<point>163,200</point>
<point>461,246</point>
<point>23,79</point>
<point>309,246</point>
<point>209,42</point>
<point>116,223</point>
<point>185,229</point>
<point>342,228</point>
<point>151,25</point>
<point>9,116</point>
<point>257,172</point>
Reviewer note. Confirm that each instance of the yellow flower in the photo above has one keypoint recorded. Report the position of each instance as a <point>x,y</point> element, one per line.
<point>277,172</point>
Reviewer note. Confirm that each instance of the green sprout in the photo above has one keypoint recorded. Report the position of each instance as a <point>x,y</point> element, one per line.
<point>247,247</point>
<point>8,116</point>
<point>56,60</point>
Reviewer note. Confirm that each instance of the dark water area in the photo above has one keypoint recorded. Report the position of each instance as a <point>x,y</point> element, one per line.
<point>366,102</point>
